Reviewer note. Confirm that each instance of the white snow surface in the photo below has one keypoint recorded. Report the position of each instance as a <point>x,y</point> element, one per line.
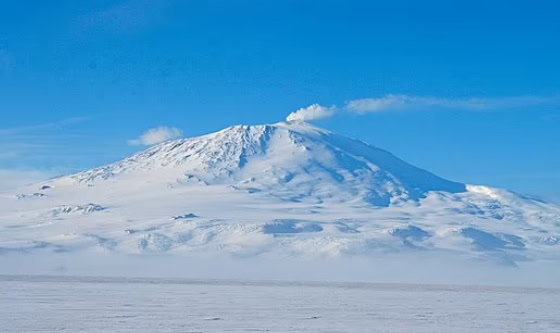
<point>54,304</point>
<point>281,190</point>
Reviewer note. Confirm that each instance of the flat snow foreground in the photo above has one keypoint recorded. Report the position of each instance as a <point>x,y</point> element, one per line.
<point>72,304</point>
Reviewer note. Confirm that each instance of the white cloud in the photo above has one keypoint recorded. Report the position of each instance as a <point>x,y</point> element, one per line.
<point>156,135</point>
<point>406,102</point>
<point>411,103</point>
<point>312,112</point>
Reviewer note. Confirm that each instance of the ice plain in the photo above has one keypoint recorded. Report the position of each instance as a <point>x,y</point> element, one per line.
<point>72,304</point>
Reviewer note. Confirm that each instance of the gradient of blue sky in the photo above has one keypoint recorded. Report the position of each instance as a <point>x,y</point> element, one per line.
<point>79,79</point>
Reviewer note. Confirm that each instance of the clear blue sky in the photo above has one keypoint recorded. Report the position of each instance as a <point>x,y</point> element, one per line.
<point>78,79</point>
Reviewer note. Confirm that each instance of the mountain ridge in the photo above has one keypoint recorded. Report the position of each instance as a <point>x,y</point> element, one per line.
<point>227,157</point>
<point>286,189</point>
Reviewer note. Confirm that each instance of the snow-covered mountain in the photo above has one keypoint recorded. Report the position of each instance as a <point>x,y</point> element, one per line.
<point>282,189</point>
<point>294,161</point>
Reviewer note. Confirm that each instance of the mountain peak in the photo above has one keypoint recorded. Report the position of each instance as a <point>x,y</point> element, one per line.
<point>293,158</point>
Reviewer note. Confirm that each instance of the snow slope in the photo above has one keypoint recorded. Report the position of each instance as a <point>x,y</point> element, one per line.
<point>287,189</point>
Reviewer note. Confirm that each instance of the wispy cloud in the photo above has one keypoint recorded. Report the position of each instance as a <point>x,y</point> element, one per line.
<point>21,143</point>
<point>406,102</point>
<point>156,135</point>
<point>312,112</point>
<point>389,103</point>
<point>44,126</point>
<point>10,150</point>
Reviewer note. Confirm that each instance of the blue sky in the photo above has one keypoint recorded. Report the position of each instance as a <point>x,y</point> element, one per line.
<point>80,80</point>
